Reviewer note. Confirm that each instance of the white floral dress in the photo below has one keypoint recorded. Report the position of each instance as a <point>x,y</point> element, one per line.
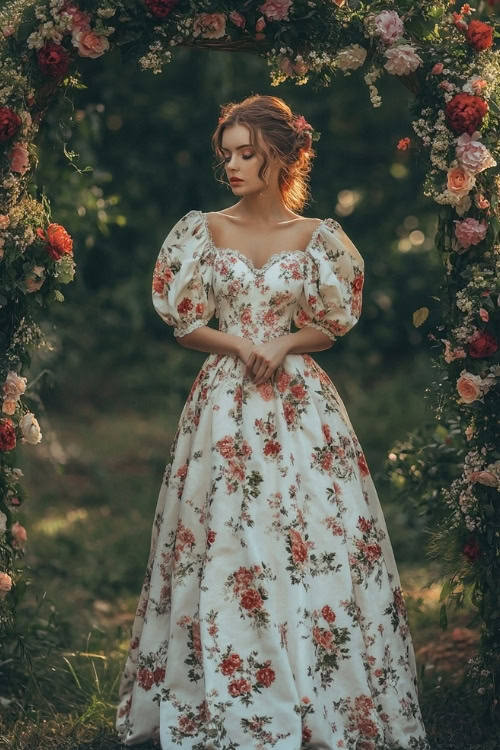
<point>271,614</point>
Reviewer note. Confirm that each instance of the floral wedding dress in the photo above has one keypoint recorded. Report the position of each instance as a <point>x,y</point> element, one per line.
<point>271,614</point>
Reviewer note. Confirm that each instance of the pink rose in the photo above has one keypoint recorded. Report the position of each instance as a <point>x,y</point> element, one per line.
<point>483,477</point>
<point>286,66</point>
<point>237,19</point>
<point>260,24</point>
<point>473,154</point>
<point>481,201</point>
<point>276,10</point>
<point>389,26</point>
<point>437,69</point>
<point>210,25</point>
<point>9,407</point>
<point>90,44</point>
<point>5,584</point>
<point>7,30</point>
<point>470,231</point>
<point>19,535</point>
<point>266,391</point>
<point>402,60</point>
<point>19,159</point>
<point>460,181</point>
<point>469,387</point>
<point>80,21</point>
<point>483,314</point>
<point>14,385</point>
<point>451,354</point>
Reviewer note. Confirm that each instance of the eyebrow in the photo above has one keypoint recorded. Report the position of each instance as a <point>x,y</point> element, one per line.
<point>237,147</point>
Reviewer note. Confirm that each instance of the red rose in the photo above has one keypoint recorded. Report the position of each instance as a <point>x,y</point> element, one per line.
<point>58,240</point>
<point>306,733</point>
<point>471,551</point>
<point>327,460</point>
<point>53,59</point>
<point>237,687</point>
<point>185,305</point>
<point>299,547</point>
<point>363,466</point>
<point>160,8</point>
<point>479,35</point>
<point>357,284</point>
<point>9,123</point>
<point>210,537</point>
<point>483,345</point>
<point>372,551</point>
<point>289,412</point>
<point>187,725</point>
<point>265,676</point>
<point>243,577</point>
<point>328,613</point>
<point>7,435</point>
<point>251,599</point>
<point>465,112</point>
<point>159,674</point>
<point>364,525</point>
<point>229,665</point>
<point>272,448</point>
<point>298,391</point>
<point>145,677</point>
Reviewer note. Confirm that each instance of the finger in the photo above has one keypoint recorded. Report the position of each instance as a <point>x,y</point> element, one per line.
<point>259,369</point>
<point>269,371</point>
<point>249,364</point>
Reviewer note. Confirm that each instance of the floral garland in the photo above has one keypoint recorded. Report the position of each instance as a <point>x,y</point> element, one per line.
<point>446,58</point>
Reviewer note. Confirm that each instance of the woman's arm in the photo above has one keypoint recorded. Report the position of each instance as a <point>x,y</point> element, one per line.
<point>206,339</point>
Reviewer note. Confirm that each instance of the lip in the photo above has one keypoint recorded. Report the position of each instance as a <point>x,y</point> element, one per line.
<point>235,179</point>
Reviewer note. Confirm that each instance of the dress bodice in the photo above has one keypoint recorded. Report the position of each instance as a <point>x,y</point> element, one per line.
<point>318,287</point>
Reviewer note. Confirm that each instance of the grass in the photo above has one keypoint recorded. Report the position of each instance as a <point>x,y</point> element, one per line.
<point>93,484</point>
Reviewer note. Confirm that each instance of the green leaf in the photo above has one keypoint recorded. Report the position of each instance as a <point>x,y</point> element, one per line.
<point>58,295</point>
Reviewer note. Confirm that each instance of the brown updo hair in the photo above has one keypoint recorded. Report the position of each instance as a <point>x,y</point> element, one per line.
<point>293,147</point>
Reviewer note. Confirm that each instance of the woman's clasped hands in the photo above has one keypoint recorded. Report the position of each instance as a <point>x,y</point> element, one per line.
<point>263,359</point>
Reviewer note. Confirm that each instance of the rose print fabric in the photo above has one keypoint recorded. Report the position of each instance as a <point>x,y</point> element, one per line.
<point>271,614</point>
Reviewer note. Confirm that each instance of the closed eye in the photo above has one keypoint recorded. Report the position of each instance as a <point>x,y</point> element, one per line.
<point>249,156</point>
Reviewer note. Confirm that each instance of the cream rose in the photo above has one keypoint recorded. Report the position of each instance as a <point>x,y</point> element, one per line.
<point>30,429</point>
<point>351,58</point>
<point>469,387</point>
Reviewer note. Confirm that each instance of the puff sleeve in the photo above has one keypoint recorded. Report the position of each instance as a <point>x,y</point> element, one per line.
<point>182,291</point>
<point>332,296</point>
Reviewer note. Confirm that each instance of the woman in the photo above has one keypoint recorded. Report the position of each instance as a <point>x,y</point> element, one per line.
<point>271,614</point>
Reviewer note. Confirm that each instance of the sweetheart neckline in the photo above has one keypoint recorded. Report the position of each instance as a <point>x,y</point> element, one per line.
<point>249,262</point>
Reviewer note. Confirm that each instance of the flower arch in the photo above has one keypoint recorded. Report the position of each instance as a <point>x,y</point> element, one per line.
<point>446,56</point>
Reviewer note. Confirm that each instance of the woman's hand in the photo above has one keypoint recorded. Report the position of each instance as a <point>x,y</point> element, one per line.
<point>262,360</point>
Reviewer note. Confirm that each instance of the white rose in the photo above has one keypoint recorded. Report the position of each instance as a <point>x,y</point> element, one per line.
<point>30,429</point>
<point>402,60</point>
<point>351,58</point>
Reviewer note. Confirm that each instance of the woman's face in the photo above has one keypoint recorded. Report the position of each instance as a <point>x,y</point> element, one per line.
<point>242,161</point>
